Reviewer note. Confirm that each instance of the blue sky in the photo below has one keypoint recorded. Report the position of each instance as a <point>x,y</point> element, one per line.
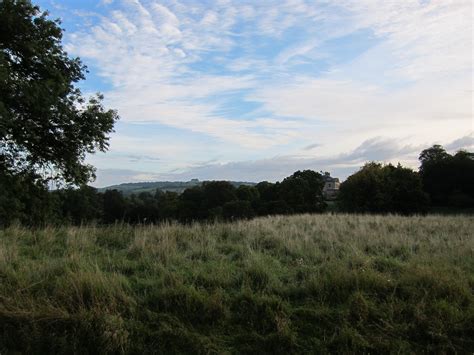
<point>254,90</point>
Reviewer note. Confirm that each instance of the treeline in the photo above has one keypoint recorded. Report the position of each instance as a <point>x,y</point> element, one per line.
<point>444,181</point>
<point>29,202</point>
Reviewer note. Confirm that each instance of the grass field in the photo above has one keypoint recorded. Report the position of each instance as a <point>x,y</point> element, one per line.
<point>300,284</point>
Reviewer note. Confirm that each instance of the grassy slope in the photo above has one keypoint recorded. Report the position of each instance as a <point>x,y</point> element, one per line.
<point>281,284</point>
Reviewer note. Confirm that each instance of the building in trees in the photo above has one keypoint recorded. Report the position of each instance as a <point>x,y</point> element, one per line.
<point>331,187</point>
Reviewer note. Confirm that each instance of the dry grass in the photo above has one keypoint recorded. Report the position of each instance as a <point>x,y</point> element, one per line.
<point>308,283</point>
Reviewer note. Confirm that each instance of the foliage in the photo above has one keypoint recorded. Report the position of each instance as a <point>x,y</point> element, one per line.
<point>114,206</point>
<point>77,206</point>
<point>376,188</point>
<point>24,199</point>
<point>237,209</point>
<point>46,125</point>
<point>448,179</point>
<point>300,284</point>
<point>303,191</point>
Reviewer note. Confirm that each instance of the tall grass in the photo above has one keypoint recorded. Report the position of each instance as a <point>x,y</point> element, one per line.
<point>300,284</point>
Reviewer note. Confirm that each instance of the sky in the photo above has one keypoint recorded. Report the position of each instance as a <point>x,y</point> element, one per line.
<point>255,90</point>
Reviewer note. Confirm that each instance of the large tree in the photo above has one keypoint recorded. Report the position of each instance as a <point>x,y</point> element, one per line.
<point>46,125</point>
<point>378,188</point>
<point>448,179</point>
<point>303,191</point>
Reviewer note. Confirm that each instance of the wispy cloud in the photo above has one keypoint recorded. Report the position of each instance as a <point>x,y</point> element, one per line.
<point>254,80</point>
<point>463,143</point>
<point>312,146</point>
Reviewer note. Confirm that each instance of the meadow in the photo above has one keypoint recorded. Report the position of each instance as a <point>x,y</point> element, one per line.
<point>282,284</point>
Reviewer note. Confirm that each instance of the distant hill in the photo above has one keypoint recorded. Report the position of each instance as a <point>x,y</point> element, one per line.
<point>174,186</point>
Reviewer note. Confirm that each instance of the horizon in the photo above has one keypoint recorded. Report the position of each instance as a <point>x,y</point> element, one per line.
<point>227,90</point>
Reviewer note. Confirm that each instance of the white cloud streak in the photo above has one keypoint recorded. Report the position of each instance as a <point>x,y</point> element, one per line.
<point>414,84</point>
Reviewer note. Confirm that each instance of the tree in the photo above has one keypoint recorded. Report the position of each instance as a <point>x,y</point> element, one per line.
<point>462,178</point>
<point>448,179</point>
<point>248,193</point>
<point>114,206</point>
<point>143,208</point>
<point>217,193</point>
<point>433,155</point>
<point>83,205</point>
<point>24,199</point>
<point>376,188</point>
<point>267,191</point>
<point>190,205</point>
<point>167,204</point>
<point>404,191</point>
<point>303,191</point>
<point>239,209</point>
<point>46,125</point>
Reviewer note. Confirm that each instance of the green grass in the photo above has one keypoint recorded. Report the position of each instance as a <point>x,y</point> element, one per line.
<point>301,284</point>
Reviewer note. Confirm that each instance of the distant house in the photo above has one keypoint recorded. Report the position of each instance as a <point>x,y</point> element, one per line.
<point>331,187</point>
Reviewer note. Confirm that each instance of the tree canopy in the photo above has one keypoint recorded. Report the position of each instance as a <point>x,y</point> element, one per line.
<point>303,191</point>
<point>448,179</point>
<point>376,188</point>
<point>46,125</point>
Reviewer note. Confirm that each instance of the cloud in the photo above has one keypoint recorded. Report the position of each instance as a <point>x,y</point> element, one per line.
<point>380,149</point>
<point>312,146</point>
<point>149,51</point>
<point>276,168</point>
<point>352,110</point>
<point>463,143</point>
<point>108,177</point>
<point>425,37</point>
<point>415,82</point>
<point>137,158</point>
<point>255,80</point>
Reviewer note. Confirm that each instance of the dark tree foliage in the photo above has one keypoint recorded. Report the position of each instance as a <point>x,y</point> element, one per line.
<point>77,206</point>
<point>189,206</point>
<point>267,191</point>
<point>46,125</point>
<point>143,208</point>
<point>432,155</point>
<point>24,199</point>
<point>448,179</point>
<point>206,201</point>
<point>248,193</point>
<point>217,193</point>
<point>269,199</point>
<point>376,188</point>
<point>237,209</point>
<point>167,204</point>
<point>303,192</point>
<point>114,207</point>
